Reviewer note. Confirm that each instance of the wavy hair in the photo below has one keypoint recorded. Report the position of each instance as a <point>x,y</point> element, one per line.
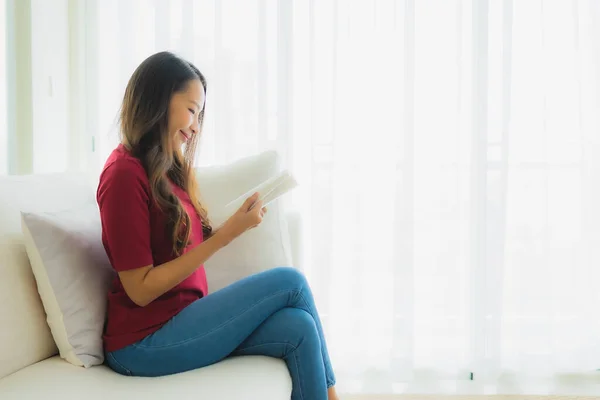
<point>143,128</point>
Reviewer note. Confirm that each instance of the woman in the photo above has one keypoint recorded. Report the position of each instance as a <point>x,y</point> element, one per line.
<point>161,318</point>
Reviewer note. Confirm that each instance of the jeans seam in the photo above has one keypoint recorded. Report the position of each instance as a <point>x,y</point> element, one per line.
<point>310,311</point>
<point>266,344</point>
<point>114,359</point>
<point>142,346</point>
<point>299,376</point>
<point>327,365</point>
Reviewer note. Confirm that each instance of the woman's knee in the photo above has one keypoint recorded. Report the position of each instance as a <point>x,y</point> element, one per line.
<point>297,326</point>
<point>290,276</point>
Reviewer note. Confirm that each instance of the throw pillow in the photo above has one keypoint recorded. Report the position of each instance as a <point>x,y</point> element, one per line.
<point>73,276</point>
<point>264,247</point>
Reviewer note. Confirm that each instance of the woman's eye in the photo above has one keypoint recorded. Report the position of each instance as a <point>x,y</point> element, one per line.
<point>192,111</point>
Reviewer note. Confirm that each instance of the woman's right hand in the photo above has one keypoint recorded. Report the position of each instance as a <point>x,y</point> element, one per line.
<point>248,216</point>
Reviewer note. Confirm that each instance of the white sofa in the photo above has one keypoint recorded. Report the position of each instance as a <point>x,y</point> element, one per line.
<point>29,365</point>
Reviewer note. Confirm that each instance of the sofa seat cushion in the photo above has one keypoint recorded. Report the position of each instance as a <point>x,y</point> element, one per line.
<point>248,377</point>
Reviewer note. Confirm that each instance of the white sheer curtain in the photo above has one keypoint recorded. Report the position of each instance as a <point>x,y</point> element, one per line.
<point>3,92</point>
<point>449,160</point>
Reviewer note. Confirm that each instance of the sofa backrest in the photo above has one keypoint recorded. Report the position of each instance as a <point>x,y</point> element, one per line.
<point>24,334</point>
<point>25,337</point>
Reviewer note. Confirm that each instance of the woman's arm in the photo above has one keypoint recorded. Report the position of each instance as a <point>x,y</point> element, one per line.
<point>123,199</point>
<point>145,284</point>
<point>213,232</point>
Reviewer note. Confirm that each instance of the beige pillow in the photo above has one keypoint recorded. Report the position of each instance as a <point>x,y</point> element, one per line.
<point>73,275</point>
<point>259,249</point>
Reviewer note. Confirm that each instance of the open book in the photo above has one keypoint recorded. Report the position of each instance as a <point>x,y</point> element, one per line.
<point>268,191</point>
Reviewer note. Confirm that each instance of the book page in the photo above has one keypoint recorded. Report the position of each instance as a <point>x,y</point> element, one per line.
<point>268,191</point>
<point>278,188</point>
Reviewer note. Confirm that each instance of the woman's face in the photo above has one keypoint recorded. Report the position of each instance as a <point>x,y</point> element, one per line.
<point>184,111</point>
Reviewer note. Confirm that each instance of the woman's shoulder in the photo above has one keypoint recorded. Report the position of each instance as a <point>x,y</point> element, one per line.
<point>122,171</point>
<point>120,161</point>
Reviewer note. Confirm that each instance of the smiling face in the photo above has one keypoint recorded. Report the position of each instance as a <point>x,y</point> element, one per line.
<point>184,112</point>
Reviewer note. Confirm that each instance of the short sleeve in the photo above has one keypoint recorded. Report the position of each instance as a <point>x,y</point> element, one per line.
<point>124,200</point>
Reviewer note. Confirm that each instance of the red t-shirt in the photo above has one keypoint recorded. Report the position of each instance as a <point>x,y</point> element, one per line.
<point>134,235</point>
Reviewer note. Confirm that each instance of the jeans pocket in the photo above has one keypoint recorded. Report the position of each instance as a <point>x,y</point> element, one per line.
<point>116,366</point>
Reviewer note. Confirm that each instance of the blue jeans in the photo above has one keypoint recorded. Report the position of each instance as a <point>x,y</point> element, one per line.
<point>271,313</point>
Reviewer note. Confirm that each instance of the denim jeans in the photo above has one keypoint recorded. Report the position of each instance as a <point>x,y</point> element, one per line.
<point>271,313</point>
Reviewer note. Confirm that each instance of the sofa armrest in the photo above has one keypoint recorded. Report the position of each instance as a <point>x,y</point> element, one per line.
<point>294,223</point>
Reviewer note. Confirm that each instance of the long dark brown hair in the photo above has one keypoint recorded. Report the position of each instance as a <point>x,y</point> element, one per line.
<point>144,124</point>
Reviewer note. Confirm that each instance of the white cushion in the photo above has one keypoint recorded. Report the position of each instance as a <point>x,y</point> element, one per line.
<point>73,276</point>
<point>248,378</point>
<point>258,249</point>
<point>24,334</point>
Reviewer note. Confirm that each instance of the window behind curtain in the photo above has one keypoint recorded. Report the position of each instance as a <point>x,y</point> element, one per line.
<point>234,44</point>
